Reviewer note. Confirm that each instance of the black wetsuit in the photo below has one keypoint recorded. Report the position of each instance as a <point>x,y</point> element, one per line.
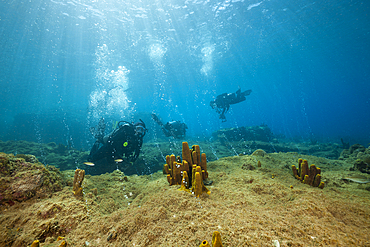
<point>223,101</point>
<point>174,128</point>
<point>122,143</point>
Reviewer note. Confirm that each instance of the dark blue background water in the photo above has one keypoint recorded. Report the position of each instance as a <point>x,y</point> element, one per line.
<point>66,63</point>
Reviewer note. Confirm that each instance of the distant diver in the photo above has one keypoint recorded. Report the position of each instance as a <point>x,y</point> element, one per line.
<point>173,128</point>
<point>122,144</point>
<point>223,101</point>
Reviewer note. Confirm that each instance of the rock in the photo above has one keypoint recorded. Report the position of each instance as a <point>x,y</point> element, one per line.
<point>356,148</point>
<point>253,133</point>
<point>361,166</point>
<point>21,180</point>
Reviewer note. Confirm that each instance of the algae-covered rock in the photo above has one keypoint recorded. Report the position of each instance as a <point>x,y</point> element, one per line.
<point>359,156</point>
<point>356,148</point>
<point>252,133</point>
<point>21,179</point>
<point>54,154</point>
<point>362,166</point>
<point>28,157</point>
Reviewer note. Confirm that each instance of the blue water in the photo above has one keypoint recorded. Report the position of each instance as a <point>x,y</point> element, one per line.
<point>66,63</point>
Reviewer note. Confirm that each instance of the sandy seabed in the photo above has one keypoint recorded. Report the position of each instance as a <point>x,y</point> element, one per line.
<point>249,207</point>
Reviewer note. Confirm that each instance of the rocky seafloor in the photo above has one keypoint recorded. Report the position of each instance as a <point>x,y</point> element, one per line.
<point>249,205</point>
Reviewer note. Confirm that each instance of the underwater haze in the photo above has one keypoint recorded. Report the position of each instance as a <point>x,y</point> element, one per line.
<point>67,63</point>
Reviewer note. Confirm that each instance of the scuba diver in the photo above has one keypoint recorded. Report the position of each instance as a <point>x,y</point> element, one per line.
<point>223,101</point>
<point>123,144</point>
<point>174,128</point>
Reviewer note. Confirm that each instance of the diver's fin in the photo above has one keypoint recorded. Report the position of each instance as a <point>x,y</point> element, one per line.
<point>246,93</point>
<point>114,125</point>
<point>156,119</point>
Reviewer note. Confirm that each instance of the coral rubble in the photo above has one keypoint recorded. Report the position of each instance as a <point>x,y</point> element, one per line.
<point>179,173</point>
<point>310,176</point>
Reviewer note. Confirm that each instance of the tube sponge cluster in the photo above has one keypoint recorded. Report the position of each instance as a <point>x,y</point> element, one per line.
<point>188,172</point>
<point>310,176</point>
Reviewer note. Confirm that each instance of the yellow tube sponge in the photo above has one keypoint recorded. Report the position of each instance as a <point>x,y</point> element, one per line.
<point>310,176</point>
<point>194,157</point>
<point>196,148</point>
<point>198,187</point>
<point>317,180</point>
<point>312,173</point>
<point>168,160</point>
<point>190,172</point>
<point>63,244</point>
<point>169,179</point>
<point>176,173</point>
<point>77,182</point>
<point>185,182</point>
<point>216,239</point>
<point>193,170</point>
<point>321,185</point>
<point>203,165</point>
<point>166,169</point>
<point>172,160</point>
<point>186,154</point>
<point>204,244</point>
<point>295,172</point>
<point>304,169</point>
<point>35,243</point>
